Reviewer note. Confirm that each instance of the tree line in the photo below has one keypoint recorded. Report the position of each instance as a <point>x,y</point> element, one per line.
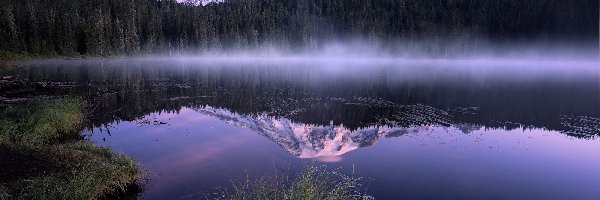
<point>133,27</point>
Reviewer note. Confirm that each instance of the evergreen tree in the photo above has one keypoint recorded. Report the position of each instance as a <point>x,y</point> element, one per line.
<point>114,27</point>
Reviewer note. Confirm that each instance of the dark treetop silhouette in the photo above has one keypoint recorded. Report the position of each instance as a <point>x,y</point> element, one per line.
<point>117,27</point>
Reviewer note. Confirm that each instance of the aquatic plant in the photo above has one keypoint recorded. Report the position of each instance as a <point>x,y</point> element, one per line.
<point>313,182</point>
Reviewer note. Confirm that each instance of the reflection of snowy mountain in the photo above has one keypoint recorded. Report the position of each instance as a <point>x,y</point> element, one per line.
<point>467,128</point>
<point>310,141</point>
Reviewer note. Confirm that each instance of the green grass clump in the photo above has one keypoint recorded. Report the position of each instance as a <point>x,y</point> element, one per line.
<point>86,172</point>
<point>41,122</point>
<point>313,183</point>
<point>52,161</point>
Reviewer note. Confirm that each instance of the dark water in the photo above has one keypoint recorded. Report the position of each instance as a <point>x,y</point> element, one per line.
<point>415,131</point>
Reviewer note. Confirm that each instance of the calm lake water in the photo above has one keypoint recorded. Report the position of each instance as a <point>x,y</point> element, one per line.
<point>414,130</point>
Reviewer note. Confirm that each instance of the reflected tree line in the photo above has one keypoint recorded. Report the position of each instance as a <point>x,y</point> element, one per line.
<point>126,91</point>
<point>131,27</point>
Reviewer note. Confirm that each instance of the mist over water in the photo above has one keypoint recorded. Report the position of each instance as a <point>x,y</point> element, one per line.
<point>363,53</point>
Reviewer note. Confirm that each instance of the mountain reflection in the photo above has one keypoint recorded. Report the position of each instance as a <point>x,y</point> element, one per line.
<point>317,141</point>
<point>315,111</point>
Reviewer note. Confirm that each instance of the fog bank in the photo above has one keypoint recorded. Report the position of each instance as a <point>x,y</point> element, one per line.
<point>365,53</point>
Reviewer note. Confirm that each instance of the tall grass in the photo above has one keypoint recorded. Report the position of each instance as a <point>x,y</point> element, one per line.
<point>313,182</point>
<point>40,122</point>
<point>85,172</point>
<point>48,131</point>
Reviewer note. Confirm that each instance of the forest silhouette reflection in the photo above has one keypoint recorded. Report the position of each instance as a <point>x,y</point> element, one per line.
<point>348,94</point>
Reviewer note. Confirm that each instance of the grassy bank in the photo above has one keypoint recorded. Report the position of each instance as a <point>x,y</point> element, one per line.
<point>42,155</point>
<point>312,183</point>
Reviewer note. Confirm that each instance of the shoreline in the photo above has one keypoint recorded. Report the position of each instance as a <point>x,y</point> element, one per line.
<point>54,161</point>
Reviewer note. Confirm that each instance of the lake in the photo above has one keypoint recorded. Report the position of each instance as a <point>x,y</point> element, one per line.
<point>413,130</point>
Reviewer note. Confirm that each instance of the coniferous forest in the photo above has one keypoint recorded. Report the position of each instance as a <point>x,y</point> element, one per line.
<point>135,27</point>
<point>299,99</point>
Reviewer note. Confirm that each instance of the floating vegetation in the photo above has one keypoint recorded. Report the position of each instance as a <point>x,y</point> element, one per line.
<point>410,115</point>
<point>153,120</point>
<point>367,101</point>
<point>464,110</point>
<point>585,126</point>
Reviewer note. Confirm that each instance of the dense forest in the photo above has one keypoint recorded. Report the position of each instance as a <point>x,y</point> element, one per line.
<point>133,27</point>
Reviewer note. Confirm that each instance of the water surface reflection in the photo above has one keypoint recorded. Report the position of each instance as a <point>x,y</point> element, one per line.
<point>197,150</point>
<point>425,131</point>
